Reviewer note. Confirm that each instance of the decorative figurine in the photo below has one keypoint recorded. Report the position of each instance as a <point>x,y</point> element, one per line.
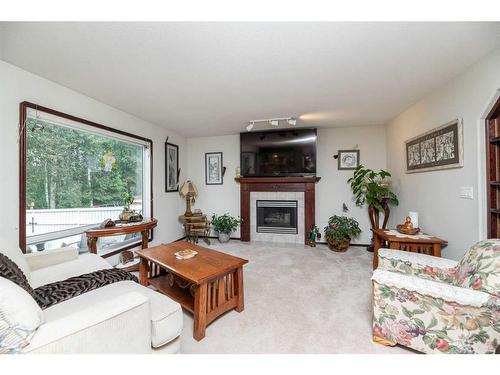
<point>313,235</point>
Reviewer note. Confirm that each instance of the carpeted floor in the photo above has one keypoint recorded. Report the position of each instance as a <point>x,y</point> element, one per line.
<point>298,299</point>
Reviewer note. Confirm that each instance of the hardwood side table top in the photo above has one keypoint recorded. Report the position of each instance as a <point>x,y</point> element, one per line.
<point>206,265</point>
<point>123,228</point>
<point>383,233</point>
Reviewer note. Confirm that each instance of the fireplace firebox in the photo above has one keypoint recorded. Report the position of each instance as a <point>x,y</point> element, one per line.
<point>277,216</point>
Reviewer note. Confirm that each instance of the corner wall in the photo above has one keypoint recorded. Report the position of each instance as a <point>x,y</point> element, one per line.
<point>435,195</point>
<point>331,191</point>
<point>19,85</point>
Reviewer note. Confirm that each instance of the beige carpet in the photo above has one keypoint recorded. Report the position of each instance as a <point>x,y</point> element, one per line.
<point>298,299</point>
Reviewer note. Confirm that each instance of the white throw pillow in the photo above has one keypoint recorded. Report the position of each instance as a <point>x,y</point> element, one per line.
<point>18,258</point>
<point>20,316</point>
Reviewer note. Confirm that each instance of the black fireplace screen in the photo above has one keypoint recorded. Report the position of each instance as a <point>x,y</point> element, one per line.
<point>278,217</point>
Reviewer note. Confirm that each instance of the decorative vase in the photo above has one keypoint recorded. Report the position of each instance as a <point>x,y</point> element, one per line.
<point>339,246</point>
<point>223,237</point>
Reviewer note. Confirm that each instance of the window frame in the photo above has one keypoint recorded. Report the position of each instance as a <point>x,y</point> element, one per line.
<point>23,114</point>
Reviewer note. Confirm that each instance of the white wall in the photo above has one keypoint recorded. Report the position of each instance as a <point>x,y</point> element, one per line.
<point>435,195</point>
<point>17,86</point>
<point>331,191</point>
<point>215,198</point>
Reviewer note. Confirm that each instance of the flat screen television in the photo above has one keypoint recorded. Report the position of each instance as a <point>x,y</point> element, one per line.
<point>290,152</point>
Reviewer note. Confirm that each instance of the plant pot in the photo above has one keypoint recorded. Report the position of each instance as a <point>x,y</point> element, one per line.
<point>125,215</point>
<point>339,246</point>
<point>223,237</point>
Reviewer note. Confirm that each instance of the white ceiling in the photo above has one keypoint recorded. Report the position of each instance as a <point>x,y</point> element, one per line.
<point>212,78</point>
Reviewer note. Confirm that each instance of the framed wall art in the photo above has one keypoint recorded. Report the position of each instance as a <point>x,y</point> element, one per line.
<point>439,148</point>
<point>213,168</point>
<point>348,159</point>
<point>171,167</point>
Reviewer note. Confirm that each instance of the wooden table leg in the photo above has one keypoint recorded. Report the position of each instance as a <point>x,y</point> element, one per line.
<point>143,272</point>
<point>238,285</point>
<point>200,312</point>
<point>436,250</point>
<point>376,247</point>
<point>92,244</point>
<point>145,239</point>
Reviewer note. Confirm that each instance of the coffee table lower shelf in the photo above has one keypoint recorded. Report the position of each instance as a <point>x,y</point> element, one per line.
<point>177,294</point>
<point>211,299</point>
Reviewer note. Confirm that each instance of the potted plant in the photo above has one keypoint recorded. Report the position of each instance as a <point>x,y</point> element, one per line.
<point>373,188</point>
<point>224,225</point>
<point>127,213</point>
<point>339,232</point>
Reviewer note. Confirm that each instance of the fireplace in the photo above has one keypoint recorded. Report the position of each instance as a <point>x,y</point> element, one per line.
<point>277,216</point>
<point>295,189</point>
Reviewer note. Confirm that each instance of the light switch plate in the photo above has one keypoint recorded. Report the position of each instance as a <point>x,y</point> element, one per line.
<point>467,192</point>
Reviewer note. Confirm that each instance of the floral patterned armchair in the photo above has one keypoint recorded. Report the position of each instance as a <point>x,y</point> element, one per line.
<point>437,305</point>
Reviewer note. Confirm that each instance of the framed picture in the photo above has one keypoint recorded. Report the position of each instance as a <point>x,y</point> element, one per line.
<point>348,159</point>
<point>213,168</point>
<point>439,148</point>
<point>171,167</point>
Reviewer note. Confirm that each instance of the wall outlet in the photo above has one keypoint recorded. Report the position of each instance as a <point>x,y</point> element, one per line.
<point>467,192</point>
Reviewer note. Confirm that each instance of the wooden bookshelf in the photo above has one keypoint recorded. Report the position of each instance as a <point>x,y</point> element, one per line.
<point>493,171</point>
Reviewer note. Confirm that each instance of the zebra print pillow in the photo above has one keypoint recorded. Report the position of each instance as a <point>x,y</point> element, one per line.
<point>12,272</point>
<point>59,291</point>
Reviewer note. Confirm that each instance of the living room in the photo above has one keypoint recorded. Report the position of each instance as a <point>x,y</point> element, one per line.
<point>250,187</point>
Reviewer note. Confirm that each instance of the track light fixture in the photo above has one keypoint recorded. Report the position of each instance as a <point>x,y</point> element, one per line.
<point>272,121</point>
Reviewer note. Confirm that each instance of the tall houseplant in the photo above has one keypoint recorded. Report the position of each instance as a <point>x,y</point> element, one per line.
<point>224,225</point>
<point>372,188</point>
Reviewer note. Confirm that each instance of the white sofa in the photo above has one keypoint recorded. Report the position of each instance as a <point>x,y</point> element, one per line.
<point>123,317</point>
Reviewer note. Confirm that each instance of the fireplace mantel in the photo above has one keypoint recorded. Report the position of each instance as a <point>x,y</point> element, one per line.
<point>281,184</point>
<point>281,180</point>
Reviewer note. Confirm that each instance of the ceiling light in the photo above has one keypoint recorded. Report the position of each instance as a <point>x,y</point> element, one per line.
<point>271,121</point>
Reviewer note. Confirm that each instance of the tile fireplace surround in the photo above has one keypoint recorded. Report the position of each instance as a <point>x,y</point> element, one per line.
<point>277,196</point>
<point>300,189</point>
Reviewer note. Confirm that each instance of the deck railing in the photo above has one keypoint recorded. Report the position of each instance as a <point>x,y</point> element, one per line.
<point>55,220</point>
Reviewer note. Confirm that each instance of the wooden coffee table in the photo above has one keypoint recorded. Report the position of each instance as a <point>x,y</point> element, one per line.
<point>207,285</point>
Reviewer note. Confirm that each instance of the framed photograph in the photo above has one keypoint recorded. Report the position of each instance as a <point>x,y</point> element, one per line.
<point>348,159</point>
<point>439,148</point>
<point>213,168</point>
<point>171,167</point>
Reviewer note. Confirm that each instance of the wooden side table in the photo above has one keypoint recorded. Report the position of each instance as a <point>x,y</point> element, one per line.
<point>383,238</point>
<point>196,226</point>
<point>143,227</point>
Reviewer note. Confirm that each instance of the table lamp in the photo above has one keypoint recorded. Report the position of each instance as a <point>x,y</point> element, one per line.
<point>188,191</point>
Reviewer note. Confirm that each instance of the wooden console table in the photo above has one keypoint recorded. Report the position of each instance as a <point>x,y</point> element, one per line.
<point>143,227</point>
<point>430,246</point>
<point>207,285</point>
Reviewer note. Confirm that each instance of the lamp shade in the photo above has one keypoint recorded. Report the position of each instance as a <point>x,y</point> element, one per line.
<point>188,188</point>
